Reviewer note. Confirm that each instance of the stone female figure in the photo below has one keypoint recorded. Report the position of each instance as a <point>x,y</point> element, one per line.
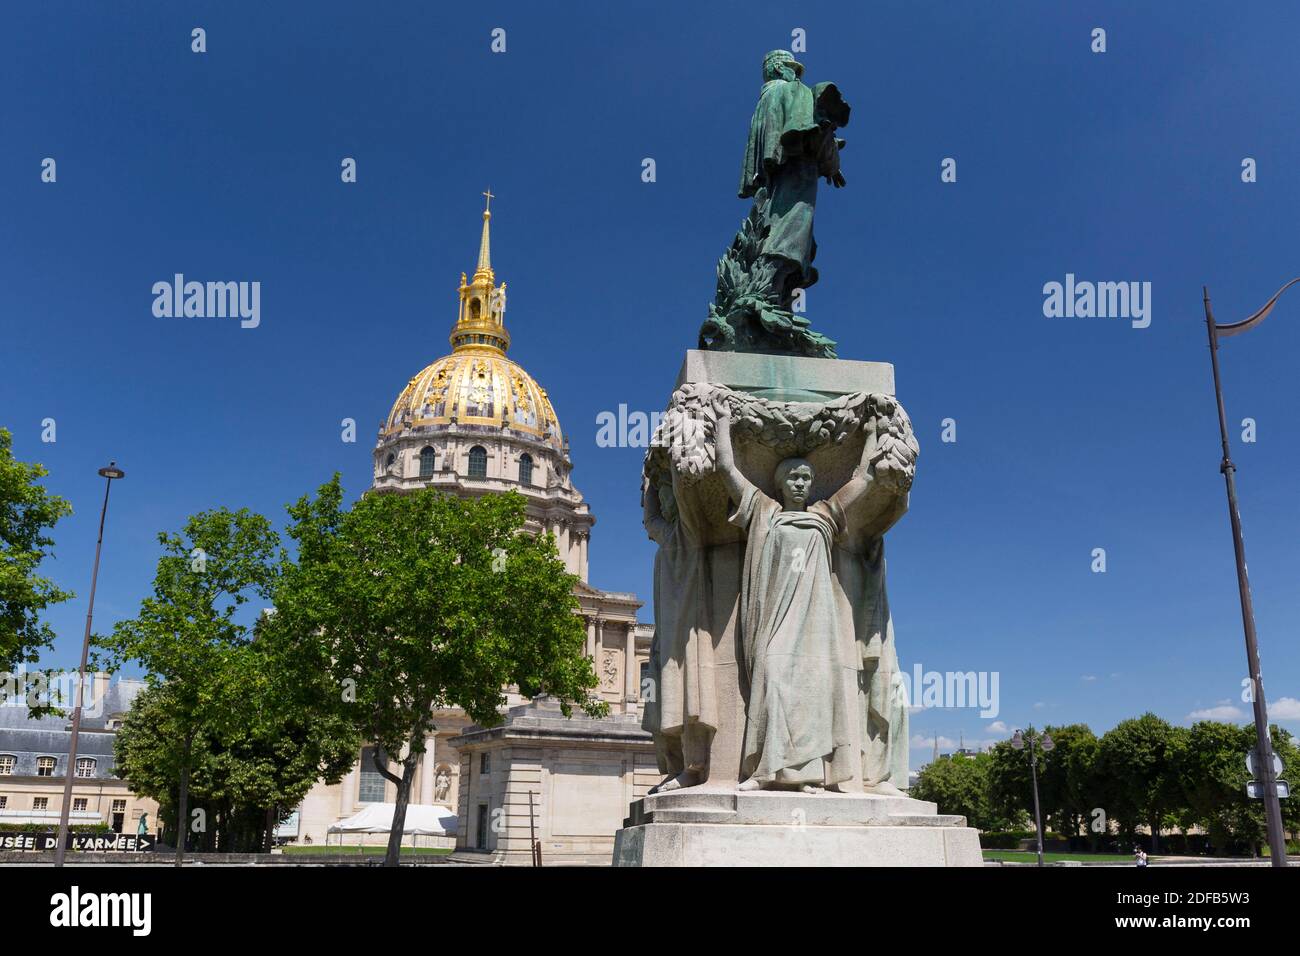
<point>680,705</point>
<point>800,665</point>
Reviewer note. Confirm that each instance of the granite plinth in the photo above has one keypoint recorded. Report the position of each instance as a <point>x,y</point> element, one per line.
<point>707,827</point>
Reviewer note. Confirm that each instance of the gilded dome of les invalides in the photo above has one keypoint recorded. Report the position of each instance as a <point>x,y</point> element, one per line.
<point>477,384</point>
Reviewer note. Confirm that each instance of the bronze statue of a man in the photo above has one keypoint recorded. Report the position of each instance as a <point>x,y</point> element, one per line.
<point>791,145</point>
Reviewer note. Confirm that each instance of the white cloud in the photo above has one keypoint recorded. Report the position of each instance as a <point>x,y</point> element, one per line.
<point>1284,708</point>
<point>1039,705</point>
<point>997,727</point>
<point>1222,711</point>
<point>1088,677</point>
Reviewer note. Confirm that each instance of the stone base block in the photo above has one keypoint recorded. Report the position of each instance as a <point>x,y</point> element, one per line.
<point>701,827</point>
<point>788,378</point>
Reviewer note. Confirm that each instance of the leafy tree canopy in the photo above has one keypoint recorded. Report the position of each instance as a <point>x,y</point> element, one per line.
<point>27,513</point>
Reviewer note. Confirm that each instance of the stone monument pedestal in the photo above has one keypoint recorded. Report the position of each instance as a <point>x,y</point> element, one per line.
<point>707,827</point>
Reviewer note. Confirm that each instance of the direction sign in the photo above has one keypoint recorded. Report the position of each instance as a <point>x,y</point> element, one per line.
<point>1255,790</point>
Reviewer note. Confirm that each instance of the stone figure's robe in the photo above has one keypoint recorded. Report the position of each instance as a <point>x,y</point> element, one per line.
<point>882,700</point>
<point>683,701</point>
<point>792,143</point>
<point>799,669</point>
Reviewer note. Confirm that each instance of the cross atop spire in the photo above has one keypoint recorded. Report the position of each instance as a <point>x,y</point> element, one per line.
<point>484,252</point>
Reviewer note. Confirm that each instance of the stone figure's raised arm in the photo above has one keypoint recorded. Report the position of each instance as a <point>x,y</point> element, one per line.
<point>737,484</point>
<point>857,486</point>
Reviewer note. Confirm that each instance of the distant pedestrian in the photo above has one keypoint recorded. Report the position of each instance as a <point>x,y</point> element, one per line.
<point>1141,855</point>
<point>142,829</point>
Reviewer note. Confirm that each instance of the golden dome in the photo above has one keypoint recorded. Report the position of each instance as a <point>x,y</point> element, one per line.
<point>477,384</point>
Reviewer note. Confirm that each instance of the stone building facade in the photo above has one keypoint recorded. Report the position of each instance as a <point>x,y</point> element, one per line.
<point>34,763</point>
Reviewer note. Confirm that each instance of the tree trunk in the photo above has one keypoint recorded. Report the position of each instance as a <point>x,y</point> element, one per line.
<point>1155,836</point>
<point>393,856</point>
<point>182,805</point>
<point>272,816</point>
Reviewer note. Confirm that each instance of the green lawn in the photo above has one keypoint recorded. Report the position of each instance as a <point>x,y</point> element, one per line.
<point>317,850</point>
<point>1029,856</point>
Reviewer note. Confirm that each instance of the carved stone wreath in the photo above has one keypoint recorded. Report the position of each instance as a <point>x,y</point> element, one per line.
<point>683,442</point>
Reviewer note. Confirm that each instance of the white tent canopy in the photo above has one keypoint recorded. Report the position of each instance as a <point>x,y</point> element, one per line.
<point>421,820</point>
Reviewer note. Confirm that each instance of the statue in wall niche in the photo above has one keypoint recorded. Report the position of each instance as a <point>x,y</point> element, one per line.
<point>441,785</point>
<point>680,707</point>
<point>791,145</point>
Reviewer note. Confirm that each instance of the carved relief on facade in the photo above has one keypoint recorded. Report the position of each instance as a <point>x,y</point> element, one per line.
<point>609,671</point>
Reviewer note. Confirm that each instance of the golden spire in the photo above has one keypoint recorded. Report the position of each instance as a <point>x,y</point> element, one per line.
<point>481,323</point>
<point>484,251</point>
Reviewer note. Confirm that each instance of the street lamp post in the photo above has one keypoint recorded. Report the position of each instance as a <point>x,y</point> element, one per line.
<point>1263,746</point>
<point>60,850</point>
<point>1044,741</point>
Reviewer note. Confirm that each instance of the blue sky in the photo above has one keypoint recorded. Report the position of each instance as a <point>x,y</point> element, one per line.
<point>1072,434</point>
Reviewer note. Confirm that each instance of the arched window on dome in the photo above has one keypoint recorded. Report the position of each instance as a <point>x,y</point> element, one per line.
<point>474,308</point>
<point>428,457</point>
<point>392,460</point>
<point>525,469</point>
<point>478,462</point>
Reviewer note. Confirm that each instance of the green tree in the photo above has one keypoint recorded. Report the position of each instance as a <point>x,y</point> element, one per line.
<point>298,730</point>
<point>960,784</point>
<point>185,631</point>
<point>1136,770</point>
<point>1066,779</point>
<point>1212,774</point>
<point>27,513</point>
<point>245,773</point>
<point>146,755</point>
<point>422,601</point>
<point>1011,792</point>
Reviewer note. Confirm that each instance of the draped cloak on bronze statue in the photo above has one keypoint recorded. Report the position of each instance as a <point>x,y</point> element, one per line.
<point>791,144</point>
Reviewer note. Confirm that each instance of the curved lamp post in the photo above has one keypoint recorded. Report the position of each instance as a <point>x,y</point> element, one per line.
<point>1036,741</point>
<point>1263,746</point>
<point>61,849</point>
